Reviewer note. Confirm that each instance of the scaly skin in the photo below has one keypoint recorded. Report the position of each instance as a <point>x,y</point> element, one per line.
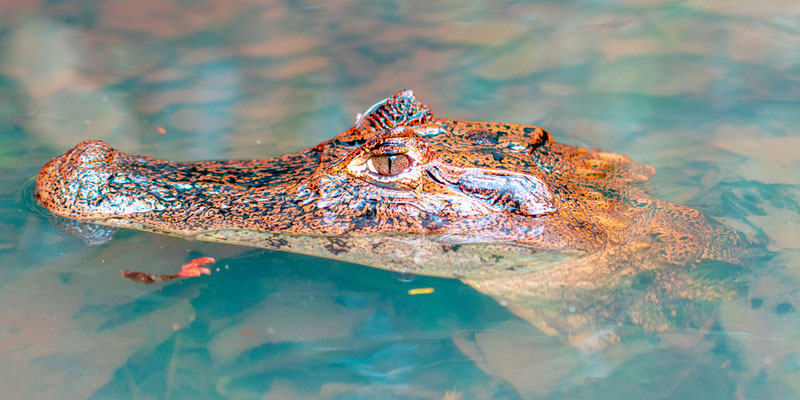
<point>502,207</point>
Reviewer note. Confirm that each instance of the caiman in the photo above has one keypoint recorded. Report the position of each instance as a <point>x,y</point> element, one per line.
<point>563,235</point>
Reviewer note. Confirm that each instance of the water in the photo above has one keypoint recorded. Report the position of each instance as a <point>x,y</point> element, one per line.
<point>706,92</point>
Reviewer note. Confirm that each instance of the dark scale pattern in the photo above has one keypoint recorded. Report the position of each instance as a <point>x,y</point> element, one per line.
<point>482,181</point>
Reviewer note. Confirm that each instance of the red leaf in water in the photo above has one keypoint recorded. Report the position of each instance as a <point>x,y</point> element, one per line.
<point>200,261</point>
<point>195,268</point>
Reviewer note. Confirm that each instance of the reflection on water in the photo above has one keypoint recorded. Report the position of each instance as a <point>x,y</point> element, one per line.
<point>704,91</point>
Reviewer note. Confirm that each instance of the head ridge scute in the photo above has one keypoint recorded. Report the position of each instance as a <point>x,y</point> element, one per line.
<point>402,109</point>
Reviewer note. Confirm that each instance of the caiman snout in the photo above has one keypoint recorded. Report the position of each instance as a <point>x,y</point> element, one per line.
<point>96,183</point>
<point>78,184</point>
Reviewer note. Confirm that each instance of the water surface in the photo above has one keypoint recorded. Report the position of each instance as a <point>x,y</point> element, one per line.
<point>706,92</point>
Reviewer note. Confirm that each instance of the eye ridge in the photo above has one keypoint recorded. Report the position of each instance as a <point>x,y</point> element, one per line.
<point>388,164</point>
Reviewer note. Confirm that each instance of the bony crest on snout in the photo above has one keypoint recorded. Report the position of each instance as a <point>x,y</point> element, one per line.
<point>402,109</point>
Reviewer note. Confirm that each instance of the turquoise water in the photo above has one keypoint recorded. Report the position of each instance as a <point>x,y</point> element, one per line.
<point>706,92</point>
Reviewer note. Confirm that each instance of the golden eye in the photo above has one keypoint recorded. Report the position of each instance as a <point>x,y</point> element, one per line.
<point>388,164</point>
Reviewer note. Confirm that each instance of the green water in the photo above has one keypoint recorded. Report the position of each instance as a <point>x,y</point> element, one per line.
<point>706,92</point>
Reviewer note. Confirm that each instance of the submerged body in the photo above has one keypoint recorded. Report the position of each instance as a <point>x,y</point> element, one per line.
<point>503,207</point>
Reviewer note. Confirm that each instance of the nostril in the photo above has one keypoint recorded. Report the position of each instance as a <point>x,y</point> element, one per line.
<point>93,153</point>
<point>77,180</point>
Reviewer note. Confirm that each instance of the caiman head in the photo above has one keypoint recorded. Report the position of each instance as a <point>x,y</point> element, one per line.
<point>399,190</point>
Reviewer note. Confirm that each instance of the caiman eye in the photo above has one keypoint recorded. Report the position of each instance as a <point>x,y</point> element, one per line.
<point>388,164</point>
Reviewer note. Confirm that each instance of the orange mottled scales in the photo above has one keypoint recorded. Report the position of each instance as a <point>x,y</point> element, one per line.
<point>402,190</point>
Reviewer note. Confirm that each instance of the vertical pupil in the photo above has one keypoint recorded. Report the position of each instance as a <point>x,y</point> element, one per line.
<point>388,164</point>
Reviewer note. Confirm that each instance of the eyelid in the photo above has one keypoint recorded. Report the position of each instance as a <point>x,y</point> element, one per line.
<point>389,148</point>
<point>397,140</point>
